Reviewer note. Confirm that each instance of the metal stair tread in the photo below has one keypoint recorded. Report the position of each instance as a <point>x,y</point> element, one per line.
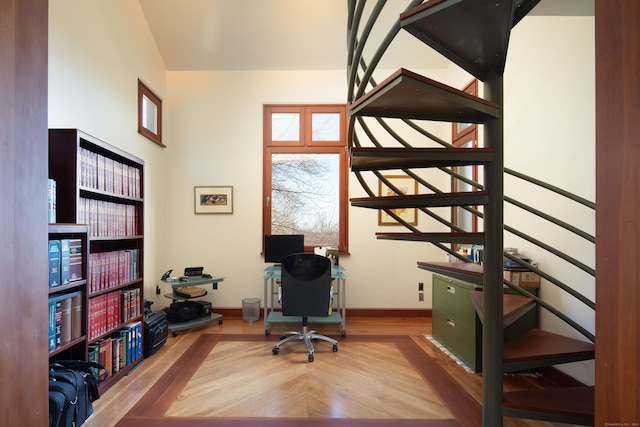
<point>409,95</point>
<point>474,34</point>
<point>379,158</point>
<point>456,237</point>
<point>422,200</point>
<point>514,306</point>
<point>574,404</point>
<point>537,348</point>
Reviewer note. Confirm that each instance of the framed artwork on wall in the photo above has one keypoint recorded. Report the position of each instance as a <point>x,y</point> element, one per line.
<point>213,200</point>
<point>407,186</point>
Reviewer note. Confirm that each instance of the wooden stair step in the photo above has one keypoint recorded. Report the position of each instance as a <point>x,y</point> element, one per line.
<point>471,198</point>
<point>460,238</point>
<point>514,306</point>
<point>429,100</point>
<point>474,34</point>
<point>379,158</point>
<point>537,348</point>
<point>571,405</point>
<point>467,271</point>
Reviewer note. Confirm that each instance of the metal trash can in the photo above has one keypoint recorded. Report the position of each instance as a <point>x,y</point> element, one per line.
<point>251,309</point>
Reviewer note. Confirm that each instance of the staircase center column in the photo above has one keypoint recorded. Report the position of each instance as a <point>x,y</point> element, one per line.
<point>493,331</point>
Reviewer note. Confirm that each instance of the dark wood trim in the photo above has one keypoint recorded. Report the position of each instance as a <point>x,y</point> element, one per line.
<point>617,53</point>
<point>145,91</point>
<point>23,205</point>
<point>236,313</point>
<point>305,146</point>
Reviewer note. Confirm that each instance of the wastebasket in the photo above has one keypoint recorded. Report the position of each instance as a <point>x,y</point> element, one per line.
<point>251,309</point>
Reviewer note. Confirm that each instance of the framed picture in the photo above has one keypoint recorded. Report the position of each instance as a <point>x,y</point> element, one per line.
<point>213,200</point>
<point>407,186</point>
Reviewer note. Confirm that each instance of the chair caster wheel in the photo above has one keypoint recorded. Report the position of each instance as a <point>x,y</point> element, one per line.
<point>335,347</point>
<point>175,334</point>
<point>311,357</point>
<point>267,331</point>
<point>275,350</point>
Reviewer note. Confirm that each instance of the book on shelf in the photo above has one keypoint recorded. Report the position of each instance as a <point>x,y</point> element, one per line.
<point>112,269</point>
<point>65,259</point>
<point>107,311</point>
<point>54,263</point>
<point>58,323</point>
<point>66,323</point>
<point>106,174</point>
<point>76,316</point>
<point>93,356</point>
<point>52,325</point>
<point>75,260</point>
<point>64,318</point>
<point>51,200</point>
<point>108,219</point>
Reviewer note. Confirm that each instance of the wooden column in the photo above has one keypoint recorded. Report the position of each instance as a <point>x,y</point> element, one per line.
<point>23,212</point>
<point>618,212</point>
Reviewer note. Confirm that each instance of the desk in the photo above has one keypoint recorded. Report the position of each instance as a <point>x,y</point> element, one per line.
<point>192,281</point>
<point>272,277</point>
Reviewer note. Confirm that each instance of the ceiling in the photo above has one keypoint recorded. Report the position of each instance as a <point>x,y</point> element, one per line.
<point>274,34</point>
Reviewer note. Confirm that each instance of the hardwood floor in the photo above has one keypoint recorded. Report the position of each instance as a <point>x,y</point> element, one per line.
<point>225,375</point>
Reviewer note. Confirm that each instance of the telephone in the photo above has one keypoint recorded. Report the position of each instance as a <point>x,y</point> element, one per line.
<point>166,275</point>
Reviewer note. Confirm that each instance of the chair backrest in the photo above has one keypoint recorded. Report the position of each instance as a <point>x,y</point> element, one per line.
<point>306,285</point>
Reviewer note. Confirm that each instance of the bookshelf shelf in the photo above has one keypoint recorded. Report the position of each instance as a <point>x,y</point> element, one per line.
<point>102,186</point>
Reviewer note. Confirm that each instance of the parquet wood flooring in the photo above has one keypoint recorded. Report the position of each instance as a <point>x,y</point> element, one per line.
<point>385,373</point>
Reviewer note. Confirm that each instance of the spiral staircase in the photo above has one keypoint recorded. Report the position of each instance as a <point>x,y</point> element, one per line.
<point>473,34</point>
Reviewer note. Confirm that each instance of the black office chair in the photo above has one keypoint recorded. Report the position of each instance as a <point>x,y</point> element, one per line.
<point>306,292</point>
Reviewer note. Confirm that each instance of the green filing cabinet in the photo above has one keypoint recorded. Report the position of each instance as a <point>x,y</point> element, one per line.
<point>455,323</point>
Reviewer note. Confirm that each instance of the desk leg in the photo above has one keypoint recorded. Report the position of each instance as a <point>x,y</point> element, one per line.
<point>267,330</point>
<point>343,305</point>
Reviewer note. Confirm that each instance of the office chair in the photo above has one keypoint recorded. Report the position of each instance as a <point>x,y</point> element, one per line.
<point>306,291</point>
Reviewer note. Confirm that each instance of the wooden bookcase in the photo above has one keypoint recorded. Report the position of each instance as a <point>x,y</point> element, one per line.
<point>102,186</point>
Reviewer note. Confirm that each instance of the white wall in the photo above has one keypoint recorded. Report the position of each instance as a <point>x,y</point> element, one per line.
<point>97,52</point>
<point>217,140</point>
<point>550,135</point>
<point>213,133</point>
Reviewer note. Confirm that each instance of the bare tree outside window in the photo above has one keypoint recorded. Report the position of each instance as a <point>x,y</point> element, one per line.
<point>305,190</point>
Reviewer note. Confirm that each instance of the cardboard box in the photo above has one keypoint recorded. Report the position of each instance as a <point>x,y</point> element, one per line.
<point>523,278</point>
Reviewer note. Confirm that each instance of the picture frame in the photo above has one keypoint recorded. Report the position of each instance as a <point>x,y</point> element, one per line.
<point>213,200</point>
<point>408,186</point>
<point>149,114</point>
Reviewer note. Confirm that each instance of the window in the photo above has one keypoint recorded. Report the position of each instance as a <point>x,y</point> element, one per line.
<point>149,114</point>
<point>465,135</point>
<point>306,173</point>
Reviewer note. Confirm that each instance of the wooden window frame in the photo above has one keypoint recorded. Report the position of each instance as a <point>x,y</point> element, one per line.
<point>144,91</point>
<point>307,146</point>
<point>459,139</point>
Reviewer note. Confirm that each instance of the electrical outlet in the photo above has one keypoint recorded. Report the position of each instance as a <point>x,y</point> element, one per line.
<point>420,296</point>
<point>420,287</point>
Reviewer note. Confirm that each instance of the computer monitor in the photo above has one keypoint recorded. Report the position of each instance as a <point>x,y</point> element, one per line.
<point>277,246</point>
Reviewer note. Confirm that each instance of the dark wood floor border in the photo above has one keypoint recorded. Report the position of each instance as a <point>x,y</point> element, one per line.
<point>162,394</point>
<point>236,313</point>
<point>281,422</point>
<point>462,405</point>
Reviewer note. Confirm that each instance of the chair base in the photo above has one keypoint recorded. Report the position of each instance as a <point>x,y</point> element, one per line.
<point>306,336</point>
